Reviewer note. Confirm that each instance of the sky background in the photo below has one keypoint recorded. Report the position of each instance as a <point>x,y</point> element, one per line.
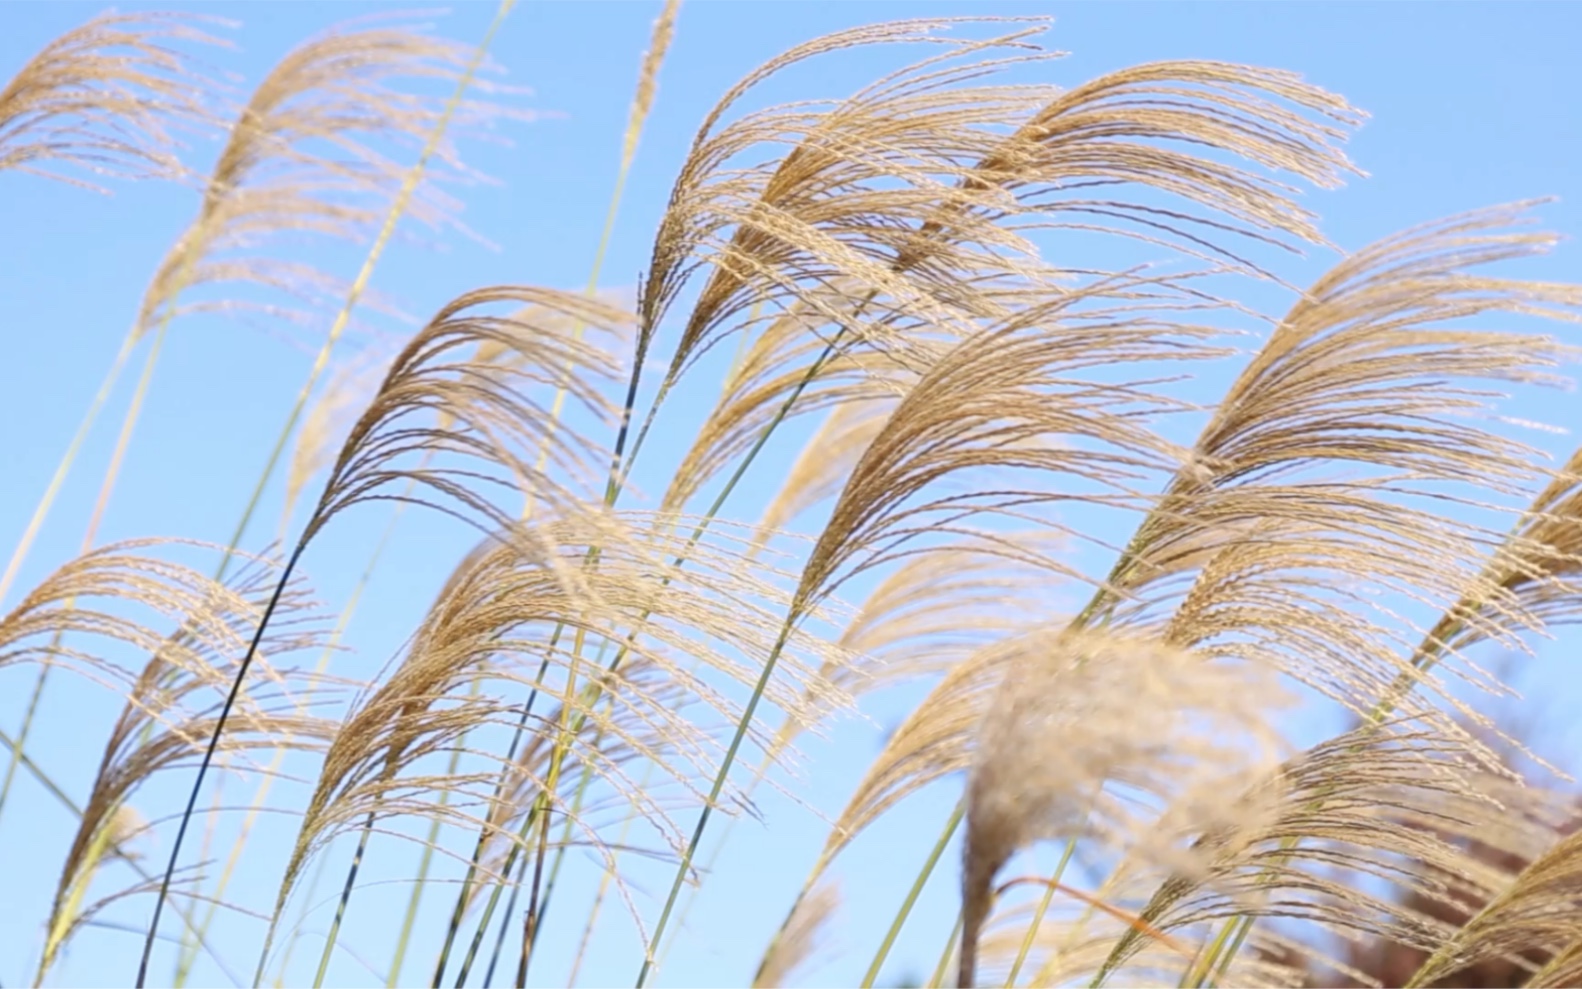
<point>1470,105</point>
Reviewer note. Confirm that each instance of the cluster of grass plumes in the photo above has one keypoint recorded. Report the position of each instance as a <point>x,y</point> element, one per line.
<point>596,681</point>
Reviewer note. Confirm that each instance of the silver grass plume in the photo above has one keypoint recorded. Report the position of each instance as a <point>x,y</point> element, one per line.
<point>1109,738</point>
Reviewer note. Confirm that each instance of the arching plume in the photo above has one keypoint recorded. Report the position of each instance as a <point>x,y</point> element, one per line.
<point>106,98</point>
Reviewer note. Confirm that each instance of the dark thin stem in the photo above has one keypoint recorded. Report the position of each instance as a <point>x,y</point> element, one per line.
<point>505,924</point>
<point>529,935</point>
<point>460,910</point>
<point>494,898</point>
<point>208,757</point>
<point>612,490</point>
<point>346,895</point>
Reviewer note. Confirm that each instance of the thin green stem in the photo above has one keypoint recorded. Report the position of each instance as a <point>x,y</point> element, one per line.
<point>606,877</point>
<point>937,980</point>
<point>912,895</point>
<point>115,848</point>
<point>356,864</point>
<point>18,747</point>
<point>464,892</point>
<point>611,494</point>
<point>505,925</point>
<point>340,908</point>
<point>128,422</point>
<point>1038,916</point>
<point>549,888</point>
<point>494,900</point>
<point>742,724</point>
<point>41,511</point>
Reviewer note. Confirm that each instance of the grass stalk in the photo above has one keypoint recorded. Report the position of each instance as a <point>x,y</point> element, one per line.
<point>107,484</point>
<point>296,931</point>
<point>937,980</point>
<point>464,892</point>
<point>208,758</point>
<point>912,895</point>
<point>679,561</point>
<point>58,479</point>
<point>1038,915</point>
<point>605,879</point>
<point>101,502</point>
<point>549,888</point>
<point>113,848</point>
<point>505,925</point>
<point>340,906</point>
<point>718,786</point>
<point>362,848</point>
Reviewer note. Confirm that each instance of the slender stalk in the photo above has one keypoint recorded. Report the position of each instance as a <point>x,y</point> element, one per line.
<point>505,925</point>
<point>1098,606</point>
<point>492,904</point>
<point>464,892</point>
<point>41,511</point>
<point>1130,920</point>
<point>296,931</point>
<point>114,847</point>
<point>529,935</point>
<point>50,786</point>
<point>719,785</point>
<point>208,757</point>
<point>605,879</point>
<point>593,688</point>
<point>937,980</point>
<point>63,921</point>
<point>17,746</point>
<point>107,484</point>
<point>912,895</point>
<point>478,850</point>
<point>549,888</point>
<point>563,743</point>
<point>1038,916</point>
<point>356,865</point>
<point>340,908</point>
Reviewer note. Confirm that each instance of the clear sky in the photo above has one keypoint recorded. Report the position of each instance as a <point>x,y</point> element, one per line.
<point>1471,105</point>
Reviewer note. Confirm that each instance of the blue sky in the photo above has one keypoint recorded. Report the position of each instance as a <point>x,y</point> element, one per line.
<point>1470,105</point>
